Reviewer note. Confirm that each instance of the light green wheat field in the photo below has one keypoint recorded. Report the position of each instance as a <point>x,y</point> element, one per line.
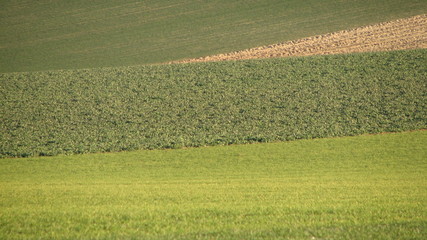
<point>364,187</point>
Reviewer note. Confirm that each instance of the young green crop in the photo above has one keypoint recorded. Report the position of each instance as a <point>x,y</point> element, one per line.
<point>189,105</point>
<point>46,35</point>
<point>364,187</point>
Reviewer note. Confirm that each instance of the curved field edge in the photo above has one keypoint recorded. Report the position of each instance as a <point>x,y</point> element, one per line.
<point>191,105</point>
<point>401,34</point>
<point>46,35</point>
<point>362,187</point>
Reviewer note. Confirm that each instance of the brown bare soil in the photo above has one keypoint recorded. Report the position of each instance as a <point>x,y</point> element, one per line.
<point>408,33</point>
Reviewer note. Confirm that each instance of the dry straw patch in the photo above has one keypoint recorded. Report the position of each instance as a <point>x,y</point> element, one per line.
<point>407,33</point>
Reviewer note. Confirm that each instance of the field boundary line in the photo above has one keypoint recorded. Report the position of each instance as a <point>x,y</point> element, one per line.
<point>401,34</point>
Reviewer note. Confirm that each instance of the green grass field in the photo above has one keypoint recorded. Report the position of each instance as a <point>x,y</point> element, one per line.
<point>189,105</point>
<point>364,187</point>
<point>45,34</point>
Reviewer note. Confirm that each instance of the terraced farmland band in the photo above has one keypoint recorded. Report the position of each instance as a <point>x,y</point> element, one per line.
<point>218,103</point>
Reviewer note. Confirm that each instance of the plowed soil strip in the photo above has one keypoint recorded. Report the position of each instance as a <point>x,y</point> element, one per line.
<point>408,33</point>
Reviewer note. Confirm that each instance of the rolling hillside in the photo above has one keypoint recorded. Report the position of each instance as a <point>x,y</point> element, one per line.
<point>46,35</point>
<point>80,77</point>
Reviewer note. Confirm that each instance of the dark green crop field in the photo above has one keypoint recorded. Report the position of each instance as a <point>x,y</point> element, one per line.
<point>363,187</point>
<point>190,105</point>
<point>63,34</point>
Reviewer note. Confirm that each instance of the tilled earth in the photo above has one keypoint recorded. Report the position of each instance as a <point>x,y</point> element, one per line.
<point>408,33</point>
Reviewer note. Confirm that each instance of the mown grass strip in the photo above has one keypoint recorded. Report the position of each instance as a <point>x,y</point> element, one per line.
<point>364,187</point>
<point>191,105</point>
<point>46,35</point>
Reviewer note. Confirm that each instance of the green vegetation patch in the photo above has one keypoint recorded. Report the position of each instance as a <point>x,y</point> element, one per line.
<point>192,105</point>
<point>364,187</point>
<point>63,34</point>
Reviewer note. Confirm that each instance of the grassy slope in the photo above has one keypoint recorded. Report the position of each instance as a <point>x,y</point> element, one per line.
<point>365,187</point>
<point>49,113</point>
<point>40,35</point>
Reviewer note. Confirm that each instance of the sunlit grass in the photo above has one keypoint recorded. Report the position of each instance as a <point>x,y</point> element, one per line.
<point>365,187</point>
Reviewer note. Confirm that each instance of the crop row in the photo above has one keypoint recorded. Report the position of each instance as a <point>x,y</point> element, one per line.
<point>190,105</point>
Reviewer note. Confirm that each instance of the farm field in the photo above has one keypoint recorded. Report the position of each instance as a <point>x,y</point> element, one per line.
<point>218,103</point>
<point>46,35</point>
<point>119,119</point>
<point>363,187</point>
<point>401,34</point>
